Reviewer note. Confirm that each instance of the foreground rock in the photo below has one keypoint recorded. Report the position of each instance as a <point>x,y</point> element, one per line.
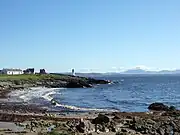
<point>101,119</point>
<point>129,124</point>
<point>119,123</point>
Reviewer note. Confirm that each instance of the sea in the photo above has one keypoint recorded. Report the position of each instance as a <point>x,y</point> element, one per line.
<point>126,93</point>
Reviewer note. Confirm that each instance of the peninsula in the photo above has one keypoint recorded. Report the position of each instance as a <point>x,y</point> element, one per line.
<point>13,82</point>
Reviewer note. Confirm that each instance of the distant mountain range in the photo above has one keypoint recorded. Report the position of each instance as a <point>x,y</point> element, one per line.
<point>131,72</point>
<point>141,71</point>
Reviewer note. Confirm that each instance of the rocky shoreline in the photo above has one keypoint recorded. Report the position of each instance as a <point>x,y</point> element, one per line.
<point>154,122</point>
<point>36,120</point>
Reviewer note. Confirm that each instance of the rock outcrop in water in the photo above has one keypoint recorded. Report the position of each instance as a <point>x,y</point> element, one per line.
<point>158,107</point>
<point>161,107</point>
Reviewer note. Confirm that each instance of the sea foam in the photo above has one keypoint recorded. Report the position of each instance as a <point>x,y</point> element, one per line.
<point>46,94</point>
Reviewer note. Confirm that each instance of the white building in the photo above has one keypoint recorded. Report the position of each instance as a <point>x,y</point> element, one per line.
<point>12,71</point>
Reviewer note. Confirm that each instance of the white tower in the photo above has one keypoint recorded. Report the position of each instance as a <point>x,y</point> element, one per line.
<point>73,72</point>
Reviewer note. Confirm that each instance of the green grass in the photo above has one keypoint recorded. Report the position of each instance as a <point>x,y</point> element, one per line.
<point>30,77</point>
<point>36,77</point>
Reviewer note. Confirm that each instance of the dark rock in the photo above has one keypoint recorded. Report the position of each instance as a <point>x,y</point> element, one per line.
<point>129,117</point>
<point>172,108</point>
<point>53,102</point>
<point>122,133</point>
<point>158,107</point>
<point>138,125</point>
<point>102,82</point>
<point>74,85</point>
<point>78,85</point>
<point>168,130</point>
<point>113,129</point>
<point>161,131</point>
<point>101,128</point>
<point>81,127</point>
<point>124,130</point>
<point>72,123</point>
<point>175,113</point>
<point>100,119</point>
<point>85,126</point>
<point>94,81</point>
<point>150,121</point>
<point>175,126</point>
<point>112,126</point>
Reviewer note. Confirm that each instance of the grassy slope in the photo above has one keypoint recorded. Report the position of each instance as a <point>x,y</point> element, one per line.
<point>39,77</point>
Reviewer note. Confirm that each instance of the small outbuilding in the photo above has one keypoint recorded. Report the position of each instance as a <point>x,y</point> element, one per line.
<point>29,71</point>
<point>42,71</point>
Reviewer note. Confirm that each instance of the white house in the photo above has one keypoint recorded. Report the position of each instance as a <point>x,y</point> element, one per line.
<point>12,71</point>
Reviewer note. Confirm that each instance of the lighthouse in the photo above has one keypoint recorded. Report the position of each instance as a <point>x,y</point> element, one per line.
<point>73,72</point>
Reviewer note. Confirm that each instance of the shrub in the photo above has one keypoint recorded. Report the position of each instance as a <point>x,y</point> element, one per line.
<point>17,82</point>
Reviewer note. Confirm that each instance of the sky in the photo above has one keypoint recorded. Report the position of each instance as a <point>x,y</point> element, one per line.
<point>90,35</point>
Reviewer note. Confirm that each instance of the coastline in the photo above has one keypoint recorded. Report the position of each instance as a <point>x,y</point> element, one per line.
<point>35,119</point>
<point>10,83</point>
<point>23,86</point>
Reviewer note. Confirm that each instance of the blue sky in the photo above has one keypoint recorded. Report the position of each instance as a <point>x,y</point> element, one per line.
<point>90,35</point>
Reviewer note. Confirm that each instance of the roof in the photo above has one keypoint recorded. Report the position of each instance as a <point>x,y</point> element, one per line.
<point>11,69</point>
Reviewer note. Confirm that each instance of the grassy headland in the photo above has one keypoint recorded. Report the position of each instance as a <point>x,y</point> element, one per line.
<point>10,82</point>
<point>34,77</point>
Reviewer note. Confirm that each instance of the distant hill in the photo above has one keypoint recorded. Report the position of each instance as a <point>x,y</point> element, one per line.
<point>141,71</point>
<point>128,72</point>
<point>136,71</point>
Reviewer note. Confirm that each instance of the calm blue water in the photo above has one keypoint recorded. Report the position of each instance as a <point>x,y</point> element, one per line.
<point>130,93</point>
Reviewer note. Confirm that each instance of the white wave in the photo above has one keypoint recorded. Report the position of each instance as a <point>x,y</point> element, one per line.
<point>49,98</point>
<point>84,109</point>
<point>32,93</point>
<point>41,92</point>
